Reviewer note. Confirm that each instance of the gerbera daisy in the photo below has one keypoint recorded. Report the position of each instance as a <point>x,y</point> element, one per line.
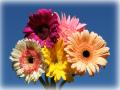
<point>58,66</point>
<point>69,26</point>
<point>86,51</point>
<point>43,27</point>
<point>27,59</point>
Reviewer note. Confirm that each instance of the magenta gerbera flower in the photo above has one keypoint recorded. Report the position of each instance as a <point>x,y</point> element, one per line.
<point>43,26</point>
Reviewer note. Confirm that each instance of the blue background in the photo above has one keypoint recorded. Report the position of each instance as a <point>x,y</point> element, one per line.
<point>100,18</point>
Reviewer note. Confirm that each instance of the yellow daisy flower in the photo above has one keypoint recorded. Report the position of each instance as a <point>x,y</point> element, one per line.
<point>57,62</point>
<point>86,51</point>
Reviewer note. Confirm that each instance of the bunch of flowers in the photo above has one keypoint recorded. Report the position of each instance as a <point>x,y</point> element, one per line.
<point>57,49</point>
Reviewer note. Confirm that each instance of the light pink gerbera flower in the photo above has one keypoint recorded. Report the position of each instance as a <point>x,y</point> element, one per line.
<point>28,60</point>
<point>69,26</point>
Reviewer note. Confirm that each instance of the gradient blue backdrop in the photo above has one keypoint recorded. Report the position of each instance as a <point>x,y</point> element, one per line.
<point>100,18</point>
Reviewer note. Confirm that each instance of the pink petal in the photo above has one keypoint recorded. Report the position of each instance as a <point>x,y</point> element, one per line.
<point>27,30</point>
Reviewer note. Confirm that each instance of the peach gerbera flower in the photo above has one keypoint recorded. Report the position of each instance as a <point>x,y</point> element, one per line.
<point>27,59</point>
<point>86,51</point>
<point>69,26</point>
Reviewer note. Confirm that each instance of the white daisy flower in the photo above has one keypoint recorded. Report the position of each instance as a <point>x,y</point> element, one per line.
<point>27,59</point>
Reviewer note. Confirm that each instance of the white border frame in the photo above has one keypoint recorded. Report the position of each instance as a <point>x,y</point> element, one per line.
<point>63,1</point>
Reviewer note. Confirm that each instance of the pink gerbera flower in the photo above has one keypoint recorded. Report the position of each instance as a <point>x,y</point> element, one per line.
<point>43,27</point>
<point>69,26</point>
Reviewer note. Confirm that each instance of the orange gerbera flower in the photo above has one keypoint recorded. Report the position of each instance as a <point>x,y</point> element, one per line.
<point>86,51</point>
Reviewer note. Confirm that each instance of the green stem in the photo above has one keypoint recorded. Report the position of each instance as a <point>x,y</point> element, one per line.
<point>62,84</point>
<point>53,84</point>
<point>46,79</point>
<point>42,82</point>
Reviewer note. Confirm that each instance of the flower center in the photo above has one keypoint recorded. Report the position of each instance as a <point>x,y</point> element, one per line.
<point>43,31</point>
<point>86,53</point>
<point>30,59</point>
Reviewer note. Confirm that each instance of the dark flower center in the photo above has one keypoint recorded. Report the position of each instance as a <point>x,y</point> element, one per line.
<point>30,59</point>
<point>86,53</point>
<point>43,31</point>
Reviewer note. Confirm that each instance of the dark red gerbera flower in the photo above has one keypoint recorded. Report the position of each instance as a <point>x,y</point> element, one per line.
<point>43,26</point>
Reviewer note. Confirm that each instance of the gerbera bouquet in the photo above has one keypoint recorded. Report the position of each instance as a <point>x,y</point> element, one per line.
<point>56,49</point>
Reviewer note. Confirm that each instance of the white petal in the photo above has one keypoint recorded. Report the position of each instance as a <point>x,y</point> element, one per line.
<point>92,37</point>
<point>19,71</point>
<point>35,75</point>
<point>16,68</point>
<point>74,65</point>
<point>79,66</point>
<point>32,77</point>
<point>89,71</point>
<point>17,51</point>
<point>102,52</point>
<point>97,68</point>
<point>16,65</point>
<point>83,67</point>
<point>13,59</point>
<point>101,61</point>
<point>16,55</point>
<point>92,67</point>
<point>27,77</point>
<point>41,70</point>
<point>23,75</point>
